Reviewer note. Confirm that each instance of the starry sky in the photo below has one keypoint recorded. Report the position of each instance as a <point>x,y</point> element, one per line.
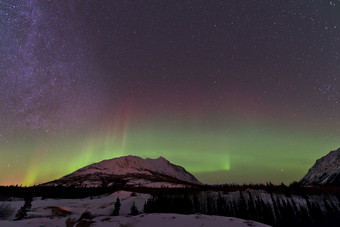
<point>243,91</point>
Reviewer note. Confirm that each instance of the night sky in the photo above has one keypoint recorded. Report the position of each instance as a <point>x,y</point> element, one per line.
<point>234,91</point>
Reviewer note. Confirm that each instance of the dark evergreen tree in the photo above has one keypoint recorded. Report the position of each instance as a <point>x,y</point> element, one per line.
<point>251,208</point>
<point>22,212</point>
<point>281,217</point>
<point>220,210</point>
<point>133,210</point>
<point>266,214</point>
<point>196,204</point>
<point>149,205</point>
<point>183,204</point>
<point>304,217</point>
<point>294,207</point>
<point>28,202</point>
<point>259,208</point>
<point>117,208</point>
<point>315,212</point>
<point>332,213</point>
<point>210,209</point>
<point>276,211</point>
<point>286,213</point>
<point>242,207</point>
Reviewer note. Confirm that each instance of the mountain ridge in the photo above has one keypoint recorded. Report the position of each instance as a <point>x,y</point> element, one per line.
<point>325,171</point>
<point>130,170</point>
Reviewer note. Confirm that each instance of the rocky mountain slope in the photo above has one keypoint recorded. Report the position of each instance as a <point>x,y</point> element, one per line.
<point>326,171</point>
<point>129,170</point>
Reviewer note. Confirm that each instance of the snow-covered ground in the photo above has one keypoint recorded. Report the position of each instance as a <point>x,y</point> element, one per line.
<point>142,220</point>
<point>59,212</point>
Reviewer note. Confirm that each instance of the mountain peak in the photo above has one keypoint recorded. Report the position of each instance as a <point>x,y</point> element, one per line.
<point>131,169</point>
<point>161,158</point>
<point>325,171</point>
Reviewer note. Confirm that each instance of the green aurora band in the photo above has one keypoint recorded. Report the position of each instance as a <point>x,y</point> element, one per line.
<point>215,153</point>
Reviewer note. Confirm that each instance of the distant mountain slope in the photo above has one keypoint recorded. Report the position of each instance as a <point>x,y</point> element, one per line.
<point>131,170</point>
<point>326,171</point>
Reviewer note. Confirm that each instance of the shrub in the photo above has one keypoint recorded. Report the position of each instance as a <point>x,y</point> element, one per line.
<point>86,215</point>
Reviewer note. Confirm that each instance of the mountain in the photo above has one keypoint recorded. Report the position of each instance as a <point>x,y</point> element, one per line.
<point>128,170</point>
<point>326,171</point>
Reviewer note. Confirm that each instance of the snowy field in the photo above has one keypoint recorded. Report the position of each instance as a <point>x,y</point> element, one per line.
<point>152,220</point>
<point>67,212</point>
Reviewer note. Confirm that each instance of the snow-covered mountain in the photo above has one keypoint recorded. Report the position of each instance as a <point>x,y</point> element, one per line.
<point>326,171</point>
<point>129,170</point>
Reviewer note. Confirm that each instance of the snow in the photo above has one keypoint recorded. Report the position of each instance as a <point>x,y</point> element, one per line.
<point>161,165</point>
<point>159,184</point>
<point>128,167</point>
<point>44,212</point>
<point>151,220</point>
<point>170,220</point>
<point>101,208</point>
<point>326,170</point>
<point>100,205</point>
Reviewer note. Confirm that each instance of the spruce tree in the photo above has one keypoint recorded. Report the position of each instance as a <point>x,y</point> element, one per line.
<point>117,207</point>
<point>242,207</point>
<point>133,210</point>
<point>220,205</point>
<point>251,207</point>
<point>196,204</point>
<point>22,212</point>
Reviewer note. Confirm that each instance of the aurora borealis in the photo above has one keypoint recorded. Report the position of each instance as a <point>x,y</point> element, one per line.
<point>233,91</point>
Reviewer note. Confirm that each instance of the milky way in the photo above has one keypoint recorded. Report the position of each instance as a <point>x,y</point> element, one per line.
<point>234,91</point>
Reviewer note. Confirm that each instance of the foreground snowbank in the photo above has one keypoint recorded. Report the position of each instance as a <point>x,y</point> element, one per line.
<point>151,220</point>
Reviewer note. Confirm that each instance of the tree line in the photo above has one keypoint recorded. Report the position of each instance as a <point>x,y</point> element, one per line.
<point>275,211</point>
